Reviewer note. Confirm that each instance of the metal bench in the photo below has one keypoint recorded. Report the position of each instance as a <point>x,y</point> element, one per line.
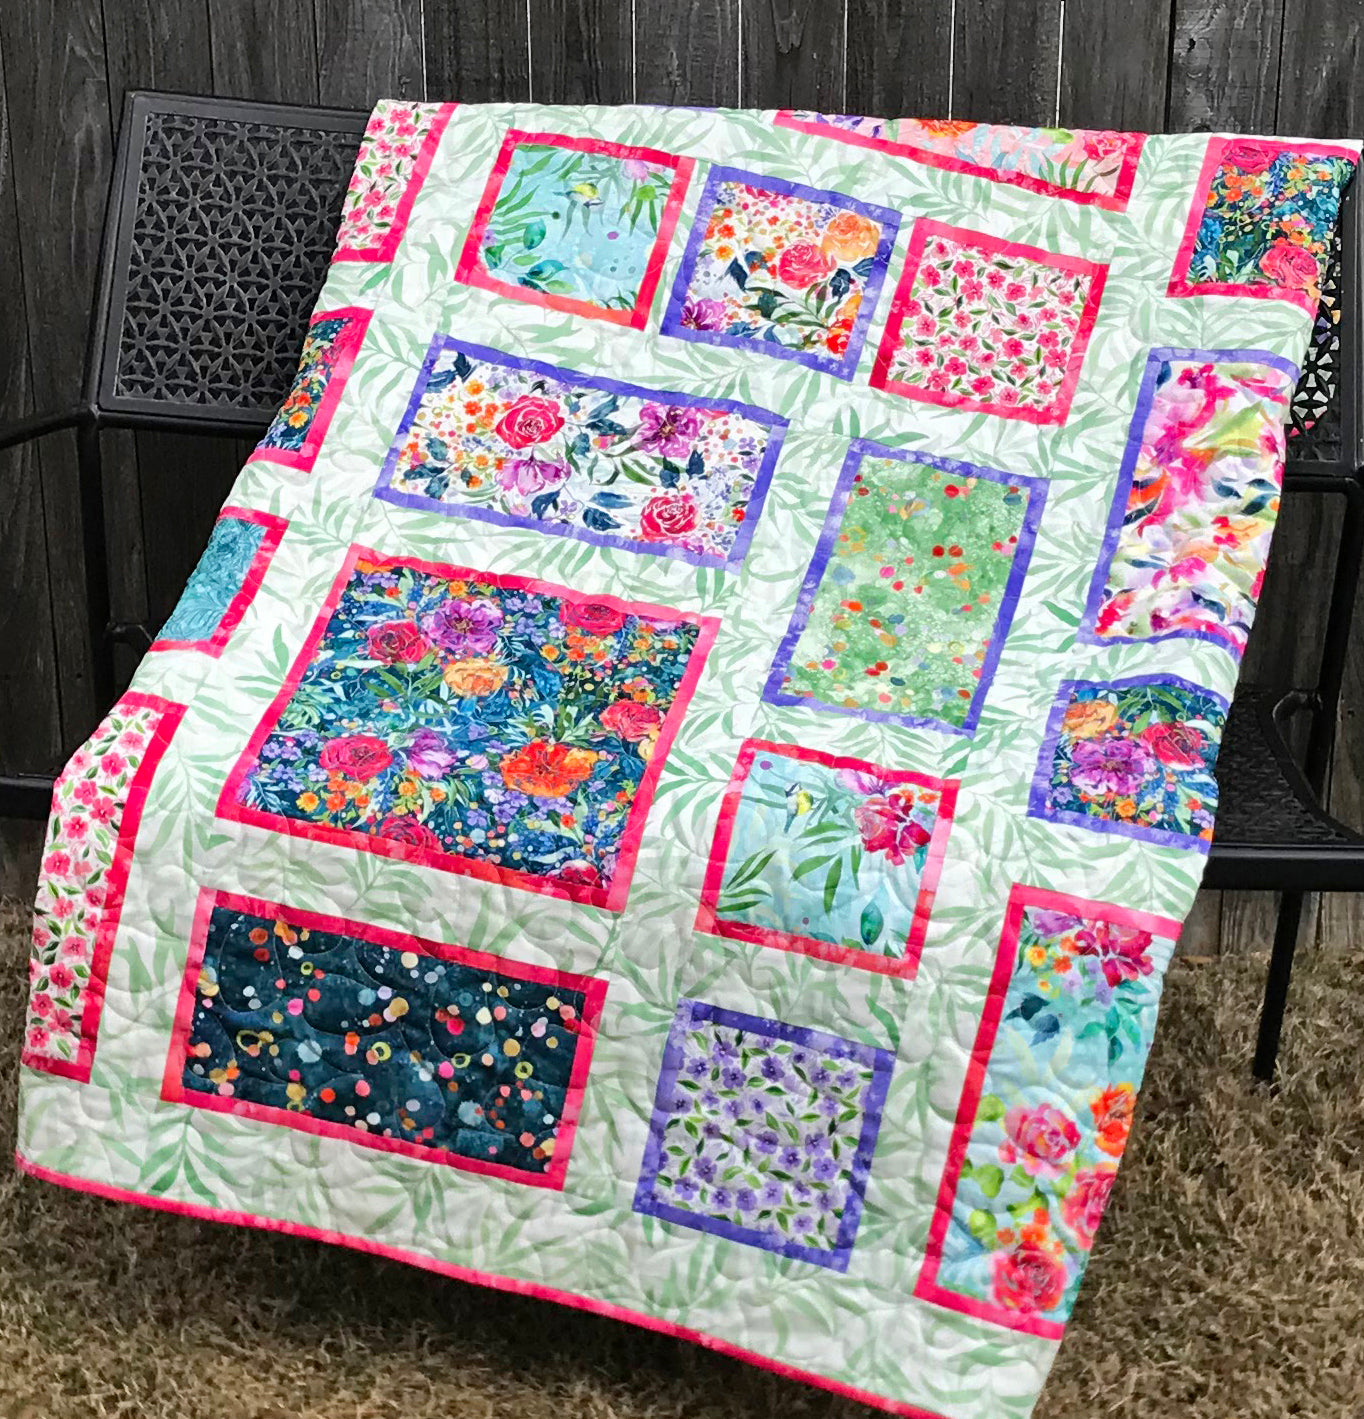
<point>219,229</point>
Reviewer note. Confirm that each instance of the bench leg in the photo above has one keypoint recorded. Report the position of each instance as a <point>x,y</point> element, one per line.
<point>1276,985</point>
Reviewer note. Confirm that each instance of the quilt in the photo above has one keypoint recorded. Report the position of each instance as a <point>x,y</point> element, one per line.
<point>676,781</point>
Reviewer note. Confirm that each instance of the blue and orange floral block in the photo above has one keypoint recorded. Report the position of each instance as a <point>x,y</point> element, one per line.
<point>1046,1108</point>
<point>1134,757</point>
<point>783,269</point>
<point>380,1038</point>
<point>511,441</point>
<point>492,725</point>
<point>763,1133</point>
<point>576,224</point>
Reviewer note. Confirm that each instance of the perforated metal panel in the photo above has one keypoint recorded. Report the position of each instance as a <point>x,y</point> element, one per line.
<point>1315,430</point>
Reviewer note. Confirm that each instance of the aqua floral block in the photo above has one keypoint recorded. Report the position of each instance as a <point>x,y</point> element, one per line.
<point>1196,502</point>
<point>294,438</point>
<point>1134,757</point>
<point>382,1039</point>
<point>1090,166</point>
<point>224,582</point>
<point>1261,220</point>
<point>576,224</point>
<point>515,442</point>
<point>763,1133</point>
<point>991,326</point>
<point>834,857</point>
<point>400,143</point>
<point>1046,1108</point>
<point>908,599</point>
<point>783,269</point>
<point>490,725</point>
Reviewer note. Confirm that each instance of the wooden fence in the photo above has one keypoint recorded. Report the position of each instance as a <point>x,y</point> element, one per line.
<point>1292,66</point>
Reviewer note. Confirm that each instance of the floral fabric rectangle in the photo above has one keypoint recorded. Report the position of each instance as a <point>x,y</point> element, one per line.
<point>990,326</point>
<point>396,153</point>
<point>1134,757</point>
<point>491,725</point>
<point>834,857</point>
<point>576,224</point>
<point>1261,220</point>
<point>1082,165</point>
<point>96,810</point>
<point>224,582</point>
<point>763,1133</point>
<point>295,435</point>
<point>1197,498</point>
<point>784,269</point>
<point>383,1039</point>
<point>524,444</point>
<point>1046,1108</point>
<point>909,597</point>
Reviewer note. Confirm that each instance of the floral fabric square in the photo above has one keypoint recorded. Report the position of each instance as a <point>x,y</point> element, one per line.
<point>1197,499</point>
<point>96,809</point>
<point>1046,1109</point>
<point>491,725</point>
<point>224,582</point>
<point>1261,221</point>
<point>763,1133</point>
<point>988,325</point>
<point>834,857</point>
<point>1082,165</point>
<point>295,435</point>
<point>395,155</point>
<point>576,224</point>
<point>383,1039</point>
<point>523,444</point>
<point>910,594</point>
<point>1134,757</point>
<point>783,269</point>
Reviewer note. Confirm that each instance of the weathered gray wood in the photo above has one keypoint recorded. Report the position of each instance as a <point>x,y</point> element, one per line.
<point>793,55</point>
<point>581,51</point>
<point>1114,66</point>
<point>687,53</point>
<point>900,58</point>
<point>368,50</point>
<point>1006,61</point>
<point>477,54</point>
<point>264,50</point>
<point>1224,64</point>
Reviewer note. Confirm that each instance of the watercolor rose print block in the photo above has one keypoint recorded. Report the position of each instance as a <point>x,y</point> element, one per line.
<point>492,725</point>
<point>1083,165</point>
<point>988,325</point>
<point>1134,757</point>
<point>1197,499</point>
<point>1262,220</point>
<point>295,435</point>
<point>911,591</point>
<point>831,856</point>
<point>1046,1110</point>
<point>96,808</point>
<point>763,1133</point>
<point>524,444</point>
<point>787,270</point>
<point>395,155</point>
<point>576,224</point>
<point>224,582</point>
<point>383,1039</point>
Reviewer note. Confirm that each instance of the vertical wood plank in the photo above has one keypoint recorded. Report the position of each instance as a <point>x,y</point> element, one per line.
<point>479,54</point>
<point>368,50</point>
<point>794,54</point>
<point>1224,63</point>
<point>157,44</point>
<point>1006,61</point>
<point>581,51</point>
<point>264,50</point>
<point>900,58</point>
<point>687,53</point>
<point>1114,67</point>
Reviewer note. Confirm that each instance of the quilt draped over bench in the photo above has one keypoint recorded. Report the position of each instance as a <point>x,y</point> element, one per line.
<point>676,781</point>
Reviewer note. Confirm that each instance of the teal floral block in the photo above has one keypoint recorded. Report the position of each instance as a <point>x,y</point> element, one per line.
<point>763,1133</point>
<point>1047,1108</point>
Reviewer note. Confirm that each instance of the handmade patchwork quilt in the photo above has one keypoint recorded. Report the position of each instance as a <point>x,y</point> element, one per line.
<point>678,777</point>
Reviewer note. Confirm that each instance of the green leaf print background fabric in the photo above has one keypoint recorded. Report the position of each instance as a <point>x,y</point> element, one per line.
<point>682,795</point>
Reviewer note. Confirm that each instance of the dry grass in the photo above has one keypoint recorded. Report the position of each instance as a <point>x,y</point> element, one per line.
<point>1229,1282</point>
